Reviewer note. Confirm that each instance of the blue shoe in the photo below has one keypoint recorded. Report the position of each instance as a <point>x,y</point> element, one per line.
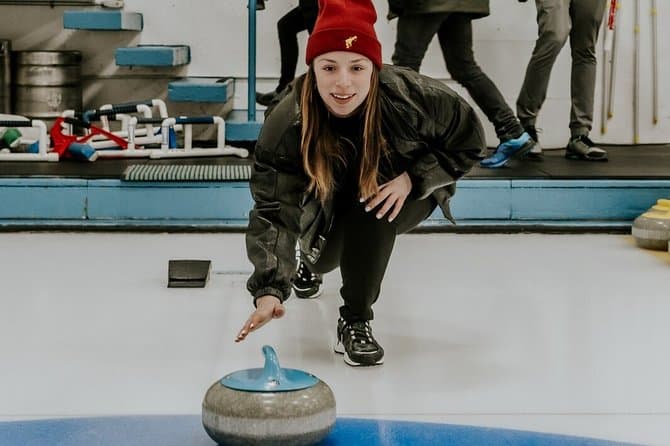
<point>513,148</point>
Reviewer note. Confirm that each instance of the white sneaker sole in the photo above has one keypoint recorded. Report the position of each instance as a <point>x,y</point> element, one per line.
<point>339,348</point>
<point>313,296</point>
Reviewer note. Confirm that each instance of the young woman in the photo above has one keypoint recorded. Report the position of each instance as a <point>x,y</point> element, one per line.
<point>353,155</point>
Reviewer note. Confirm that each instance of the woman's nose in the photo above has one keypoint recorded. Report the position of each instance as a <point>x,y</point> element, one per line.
<point>343,80</point>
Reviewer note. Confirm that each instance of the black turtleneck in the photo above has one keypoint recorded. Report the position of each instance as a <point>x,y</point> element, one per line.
<point>349,130</point>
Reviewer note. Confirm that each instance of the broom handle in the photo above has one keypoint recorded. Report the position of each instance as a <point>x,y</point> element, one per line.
<point>603,103</point>
<point>636,76</point>
<point>654,59</point>
<point>612,72</point>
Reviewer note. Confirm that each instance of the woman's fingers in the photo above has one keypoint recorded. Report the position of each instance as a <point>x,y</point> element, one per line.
<point>260,317</point>
<point>244,331</point>
<point>388,204</point>
<point>256,321</point>
<point>377,199</point>
<point>396,209</point>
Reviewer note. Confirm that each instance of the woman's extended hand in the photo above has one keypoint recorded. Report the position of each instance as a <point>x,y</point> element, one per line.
<point>267,308</point>
<point>392,194</point>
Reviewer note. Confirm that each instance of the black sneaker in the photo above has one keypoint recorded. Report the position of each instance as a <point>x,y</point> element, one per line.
<point>582,148</point>
<point>306,284</point>
<point>355,341</point>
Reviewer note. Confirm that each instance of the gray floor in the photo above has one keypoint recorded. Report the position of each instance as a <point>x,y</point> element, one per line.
<point>553,333</point>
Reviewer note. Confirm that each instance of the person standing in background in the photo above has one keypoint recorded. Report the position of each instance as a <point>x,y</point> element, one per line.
<point>558,20</point>
<point>451,20</point>
<point>298,19</point>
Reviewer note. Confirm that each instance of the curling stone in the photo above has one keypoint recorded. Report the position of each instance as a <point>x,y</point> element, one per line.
<point>268,406</point>
<point>652,229</point>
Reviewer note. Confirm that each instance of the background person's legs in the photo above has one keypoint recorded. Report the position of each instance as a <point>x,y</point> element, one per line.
<point>288,28</point>
<point>553,20</point>
<point>413,36</point>
<point>455,36</point>
<point>586,15</point>
<point>309,10</point>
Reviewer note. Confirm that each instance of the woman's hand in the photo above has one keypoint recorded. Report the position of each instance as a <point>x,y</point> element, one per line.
<point>392,194</point>
<point>268,307</point>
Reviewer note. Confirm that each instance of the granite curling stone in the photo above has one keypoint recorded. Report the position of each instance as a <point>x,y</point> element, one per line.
<point>652,229</point>
<point>268,406</point>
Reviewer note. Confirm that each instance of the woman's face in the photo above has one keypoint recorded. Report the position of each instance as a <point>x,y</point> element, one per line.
<point>343,80</point>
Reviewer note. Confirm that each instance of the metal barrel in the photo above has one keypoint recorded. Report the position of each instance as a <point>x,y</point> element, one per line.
<point>46,83</point>
<point>5,76</point>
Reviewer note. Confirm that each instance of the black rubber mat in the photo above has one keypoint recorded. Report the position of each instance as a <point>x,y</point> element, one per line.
<point>188,273</point>
<point>102,168</point>
<point>625,162</point>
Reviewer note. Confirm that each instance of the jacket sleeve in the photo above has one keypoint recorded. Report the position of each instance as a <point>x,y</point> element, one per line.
<point>277,185</point>
<point>455,142</point>
<point>396,8</point>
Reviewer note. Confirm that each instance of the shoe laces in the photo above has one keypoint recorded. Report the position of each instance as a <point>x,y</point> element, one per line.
<point>305,274</point>
<point>360,331</point>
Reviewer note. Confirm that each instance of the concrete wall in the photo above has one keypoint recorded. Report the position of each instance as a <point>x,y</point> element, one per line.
<point>216,30</point>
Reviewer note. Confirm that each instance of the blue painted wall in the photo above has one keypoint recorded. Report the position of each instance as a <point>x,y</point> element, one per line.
<point>115,202</point>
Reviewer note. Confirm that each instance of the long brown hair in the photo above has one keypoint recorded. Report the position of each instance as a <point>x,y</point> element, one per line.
<point>320,149</point>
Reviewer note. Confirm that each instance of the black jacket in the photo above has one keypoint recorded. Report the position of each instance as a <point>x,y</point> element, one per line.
<point>424,122</point>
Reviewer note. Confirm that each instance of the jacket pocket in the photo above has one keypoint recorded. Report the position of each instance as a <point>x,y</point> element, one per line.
<point>313,238</point>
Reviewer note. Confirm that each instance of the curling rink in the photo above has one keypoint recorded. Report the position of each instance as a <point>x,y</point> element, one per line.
<point>496,339</point>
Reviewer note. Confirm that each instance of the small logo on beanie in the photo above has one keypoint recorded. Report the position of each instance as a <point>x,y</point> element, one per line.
<point>348,43</point>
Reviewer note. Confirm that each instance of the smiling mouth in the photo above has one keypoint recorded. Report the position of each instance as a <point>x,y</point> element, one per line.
<point>342,97</point>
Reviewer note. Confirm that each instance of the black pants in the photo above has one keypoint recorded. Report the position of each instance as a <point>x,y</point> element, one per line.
<point>293,22</point>
<point>454,32</point>
<point>558,21</point>
<point>361,245</point>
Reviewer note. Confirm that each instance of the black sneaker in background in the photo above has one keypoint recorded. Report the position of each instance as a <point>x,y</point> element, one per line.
<point>355,341</point>
<point>306,284</point>
<point>582,148</point>
<point>266,98</point>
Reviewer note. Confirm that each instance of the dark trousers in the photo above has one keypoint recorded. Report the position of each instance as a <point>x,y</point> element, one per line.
<point>361,245</point>
<point>558,21</point>
<point>288,27</point>
<point>454,32</point>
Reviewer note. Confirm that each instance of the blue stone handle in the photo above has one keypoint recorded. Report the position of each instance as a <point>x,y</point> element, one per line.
<point>271,378</point>
<point>272,372</point>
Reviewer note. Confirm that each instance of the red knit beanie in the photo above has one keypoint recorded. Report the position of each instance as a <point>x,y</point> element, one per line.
<point>345,25</point>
